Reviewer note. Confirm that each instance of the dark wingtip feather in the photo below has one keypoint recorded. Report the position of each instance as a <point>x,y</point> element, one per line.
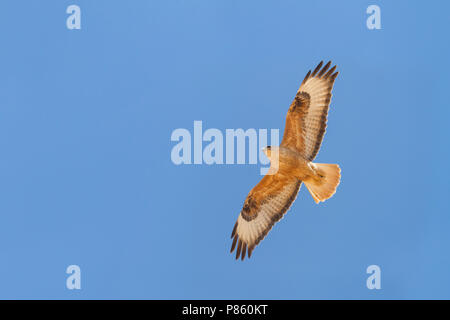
<point>239,247</point>
<point>334,75</point>
<point>234,244</point>
<point>244,251</point>
<point>250,250</point>
<point>306,77</point>
<point>317,69</point>
<point>330,72</point>
<point>234,230</point>
<point>324,69</point>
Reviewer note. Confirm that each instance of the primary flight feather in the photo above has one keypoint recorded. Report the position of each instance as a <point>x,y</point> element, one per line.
<point>291,163</point>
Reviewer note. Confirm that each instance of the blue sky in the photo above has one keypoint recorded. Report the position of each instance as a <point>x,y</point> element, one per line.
<point>86,176</point>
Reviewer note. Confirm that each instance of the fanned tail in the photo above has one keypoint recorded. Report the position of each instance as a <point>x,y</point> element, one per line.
<point>330,178</point>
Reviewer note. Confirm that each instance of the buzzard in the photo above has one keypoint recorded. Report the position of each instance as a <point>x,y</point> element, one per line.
<point>291,163</point>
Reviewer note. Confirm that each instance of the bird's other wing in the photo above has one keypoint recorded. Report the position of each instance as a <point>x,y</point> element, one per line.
<point>306,119</point>
<point>266,203</point>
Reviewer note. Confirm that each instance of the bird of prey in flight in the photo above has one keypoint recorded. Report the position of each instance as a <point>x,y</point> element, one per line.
<point>291,163</point>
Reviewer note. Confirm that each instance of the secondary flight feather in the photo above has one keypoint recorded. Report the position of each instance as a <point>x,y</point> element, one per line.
<point>291,163</point>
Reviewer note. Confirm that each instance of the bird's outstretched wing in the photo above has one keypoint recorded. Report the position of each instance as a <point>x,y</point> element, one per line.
<point>306,119</point>
<point>266,203</point>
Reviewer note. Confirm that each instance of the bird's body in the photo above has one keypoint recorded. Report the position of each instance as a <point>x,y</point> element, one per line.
<point>291,164</point>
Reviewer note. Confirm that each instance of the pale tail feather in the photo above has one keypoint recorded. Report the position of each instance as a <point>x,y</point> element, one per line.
<point>327,187</point>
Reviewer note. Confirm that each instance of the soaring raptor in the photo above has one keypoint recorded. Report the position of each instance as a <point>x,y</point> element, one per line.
<point>291,163</point>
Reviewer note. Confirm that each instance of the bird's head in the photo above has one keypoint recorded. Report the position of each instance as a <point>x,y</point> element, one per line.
<point>267,151</point>
<point>271,152</point>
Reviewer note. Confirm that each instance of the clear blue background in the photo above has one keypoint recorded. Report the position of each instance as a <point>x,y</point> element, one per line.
<point>86,176</point>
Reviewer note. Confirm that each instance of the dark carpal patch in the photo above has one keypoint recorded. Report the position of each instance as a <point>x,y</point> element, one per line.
<point>250,206</point>
<point>301,102</point>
